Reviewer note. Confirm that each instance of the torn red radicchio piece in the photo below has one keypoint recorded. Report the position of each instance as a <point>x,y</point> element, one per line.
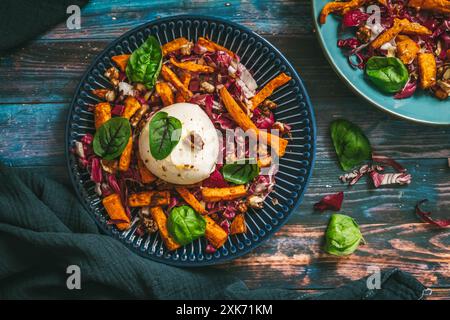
<point>383,179</point>
<point>388,162</point>
<point>330,202</point>
<point>116,221</point>
<point>426,216</point>
<point>375,172</point>
<point>353,177</point>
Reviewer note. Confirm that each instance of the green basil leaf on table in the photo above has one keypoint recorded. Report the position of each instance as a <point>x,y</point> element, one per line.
<point>342,236</point>
<point>165,133</point>
<point>351,145</point>
<point>389,74</point>
<point>241,171</point>
<point>185,225</point>
<point>145,63</point>
<point>111,138</point>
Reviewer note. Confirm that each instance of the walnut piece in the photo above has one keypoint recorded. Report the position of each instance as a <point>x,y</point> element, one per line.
<point>255,201</point>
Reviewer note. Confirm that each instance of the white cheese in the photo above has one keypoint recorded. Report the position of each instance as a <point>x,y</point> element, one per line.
<point>185,164</point>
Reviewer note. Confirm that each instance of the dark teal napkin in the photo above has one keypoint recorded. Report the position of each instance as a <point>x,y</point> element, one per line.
<point>44,229</point>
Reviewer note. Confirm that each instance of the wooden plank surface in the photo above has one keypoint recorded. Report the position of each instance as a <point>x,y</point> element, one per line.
<point>40,79</point>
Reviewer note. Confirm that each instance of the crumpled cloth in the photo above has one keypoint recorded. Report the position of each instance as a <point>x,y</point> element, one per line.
<point>44,229</point>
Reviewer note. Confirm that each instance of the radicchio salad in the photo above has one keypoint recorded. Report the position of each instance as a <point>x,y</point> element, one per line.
<point>402,44</point>
<point>157,158</point>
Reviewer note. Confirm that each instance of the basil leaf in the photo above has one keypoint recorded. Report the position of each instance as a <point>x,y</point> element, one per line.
<point>145,63</point>
<point>185,225</point>
<point>165,133</point>
<point>342,236</point>
<point>351,145</point>
<point>241,171</point>
<point>389,74</point>
<point>111,138</point>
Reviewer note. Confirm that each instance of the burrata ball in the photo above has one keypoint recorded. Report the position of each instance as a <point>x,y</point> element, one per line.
<point>194,157</point>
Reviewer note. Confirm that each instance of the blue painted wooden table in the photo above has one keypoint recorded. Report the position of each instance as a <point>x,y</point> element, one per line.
<point>38,81</point>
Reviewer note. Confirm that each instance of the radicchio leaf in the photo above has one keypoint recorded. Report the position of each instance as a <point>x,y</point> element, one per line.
<point>105,189</point>
<point>225,225</point>
<point>262,186</point>
<point>230,210</point>
<point>388,162</point>
<point>353,177</point>
<point>354,18</point>
<point>174,202</point>
<point>113,184</point>
<point>351,43</point>
<point>383,179</point>
<point>210,249</point>
<point>87,139</point>
<point>96,170</point>
<point>262,120</point>
<point>426,216</point>
<point>118,110</point>
<point>407,91</point>
<point>215,180</point>
<point>330,202</point>
<point>224,121</point>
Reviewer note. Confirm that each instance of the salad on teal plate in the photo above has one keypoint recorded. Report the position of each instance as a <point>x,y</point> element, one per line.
<point>394,53</point>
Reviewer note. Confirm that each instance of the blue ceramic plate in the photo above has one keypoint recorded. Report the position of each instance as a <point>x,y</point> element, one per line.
<point>265,61</point>
<point>421,107</point>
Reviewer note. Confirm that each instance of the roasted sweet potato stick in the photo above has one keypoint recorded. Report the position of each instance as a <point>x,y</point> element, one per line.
<point>264,161</point>
<point>269,88</point>
<point>243,120</point>
<point>166,94</point>
<point>191,66</point>
<point>407,49</point>
<point>171,77</point>
<point>174,45</point>
<point>414,28</point>
<point>191,200</point>
<point>131,106</point>
<point>238,225</point>
<point>213,47</point>
<point>116,211</point>
<point>277,143</point>
<point>227,193</point>
<point>160,218</point>
<point>440,6</point>
<point>149,198</point>
<point>236,111</point>
<point>101,93</point>
<point>427,70</point>
<point>102,113</point>
<point>214,233</point>
<point>125,157</point>
<point>121,61</point>
<point>340,7</point>
<point>186,80</point>
<point>144,173</point>
<point>390,33</point>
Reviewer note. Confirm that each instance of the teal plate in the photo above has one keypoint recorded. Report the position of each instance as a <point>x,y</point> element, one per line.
<point>422,107</point>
